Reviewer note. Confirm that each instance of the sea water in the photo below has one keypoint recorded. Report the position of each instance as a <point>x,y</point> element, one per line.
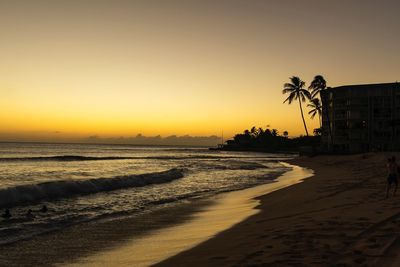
<point>86,182</point>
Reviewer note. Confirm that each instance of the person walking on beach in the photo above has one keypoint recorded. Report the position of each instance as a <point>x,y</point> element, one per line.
<point>393,172</point>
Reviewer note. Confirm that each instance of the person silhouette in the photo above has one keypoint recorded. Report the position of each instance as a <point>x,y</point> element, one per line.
<point>392,175</point>
<point>6,214</point>
<point>44,208</point>
<point>29,214</point>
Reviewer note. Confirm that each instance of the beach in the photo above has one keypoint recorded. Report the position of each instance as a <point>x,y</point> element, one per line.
<point>199,133</point>
<point>338,217</point>
<point>144,240</point>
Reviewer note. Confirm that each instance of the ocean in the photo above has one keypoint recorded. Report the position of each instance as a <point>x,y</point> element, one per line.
<point>88,182</point>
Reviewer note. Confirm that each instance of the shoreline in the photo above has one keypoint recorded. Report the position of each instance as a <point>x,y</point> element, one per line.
<point>338,217</point>
<point>82,240</point>
<point>226,210</point>
<point>61,246</point>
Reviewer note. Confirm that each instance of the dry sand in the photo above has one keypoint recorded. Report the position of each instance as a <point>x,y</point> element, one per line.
<point>340,217</point>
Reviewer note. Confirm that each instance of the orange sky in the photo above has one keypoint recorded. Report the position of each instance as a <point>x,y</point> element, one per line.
<point>72,69</point>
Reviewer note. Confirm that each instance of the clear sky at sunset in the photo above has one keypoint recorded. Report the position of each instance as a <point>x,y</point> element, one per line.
<point>73,69</point>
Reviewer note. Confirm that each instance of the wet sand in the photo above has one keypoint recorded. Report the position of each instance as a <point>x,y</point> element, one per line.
<point>339,217</point>
<point>79,241</point>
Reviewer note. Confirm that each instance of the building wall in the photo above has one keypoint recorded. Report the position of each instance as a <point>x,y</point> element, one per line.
<point>362,118</point>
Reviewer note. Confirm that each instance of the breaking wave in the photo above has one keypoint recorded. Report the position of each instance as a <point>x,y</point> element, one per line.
<point>22,194</point>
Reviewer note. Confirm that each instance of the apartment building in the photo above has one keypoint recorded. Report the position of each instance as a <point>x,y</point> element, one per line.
<point>361,118</point>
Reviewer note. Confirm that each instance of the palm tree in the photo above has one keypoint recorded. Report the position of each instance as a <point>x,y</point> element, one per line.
<point>316,87</point>
<point>254,131</point>
<point>296,91</point>
<point>316,108</point>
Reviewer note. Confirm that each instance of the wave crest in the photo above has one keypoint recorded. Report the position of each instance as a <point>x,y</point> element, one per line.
<point>22,194</point>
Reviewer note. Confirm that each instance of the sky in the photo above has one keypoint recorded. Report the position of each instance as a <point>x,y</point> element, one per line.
<point>74,69</point>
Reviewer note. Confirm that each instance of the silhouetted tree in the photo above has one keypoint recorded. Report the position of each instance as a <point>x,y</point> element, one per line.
<point>270,141</point>
<point>316,108</point>
<point>317,86</point>
<point>254,131</point>
<point>296,91</point>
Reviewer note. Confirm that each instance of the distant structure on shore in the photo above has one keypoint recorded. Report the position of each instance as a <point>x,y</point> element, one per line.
<point>361,118</point>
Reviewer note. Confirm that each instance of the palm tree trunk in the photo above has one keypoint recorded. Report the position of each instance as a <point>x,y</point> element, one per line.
<point>302,116</point>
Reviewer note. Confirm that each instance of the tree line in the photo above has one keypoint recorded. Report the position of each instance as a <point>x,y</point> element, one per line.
<point>297,91</point>
<point>270,140</point>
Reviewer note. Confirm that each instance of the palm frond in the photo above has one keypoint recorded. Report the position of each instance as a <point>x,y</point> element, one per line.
<point>314,92</point>
<point>290,98</point>
<point>312,113</point>
<point>287,90</point>
<point>296,81</point>
<point>289,86</point>
<point>317,85</point>
<point>306,93</point>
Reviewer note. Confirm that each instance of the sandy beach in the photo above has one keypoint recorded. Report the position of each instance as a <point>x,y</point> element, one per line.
<point>338,217</point>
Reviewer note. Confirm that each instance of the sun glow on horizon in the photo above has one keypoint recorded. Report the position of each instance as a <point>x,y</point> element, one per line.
<point>78,69</point>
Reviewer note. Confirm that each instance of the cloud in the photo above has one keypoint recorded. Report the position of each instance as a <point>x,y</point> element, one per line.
<point>139,139</point>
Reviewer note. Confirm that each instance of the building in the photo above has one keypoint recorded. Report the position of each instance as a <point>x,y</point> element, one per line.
<point>361,118</point>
